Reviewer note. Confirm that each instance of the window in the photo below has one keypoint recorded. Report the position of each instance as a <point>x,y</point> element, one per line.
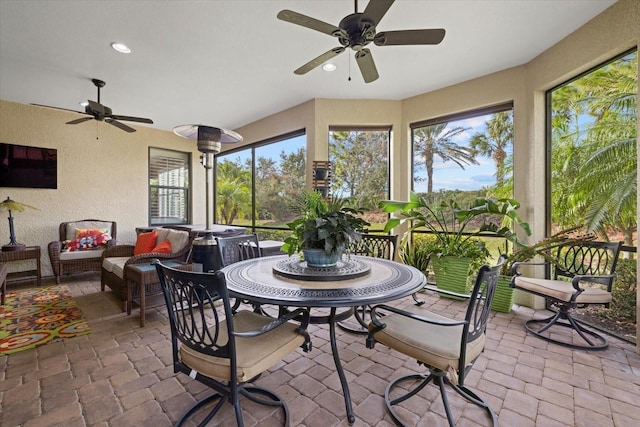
<point>168,187</point>
<point>466,153</point>
<point>360,169</point>
<point>592,127</point>
<point>465,157</point>
<point>254,184</point>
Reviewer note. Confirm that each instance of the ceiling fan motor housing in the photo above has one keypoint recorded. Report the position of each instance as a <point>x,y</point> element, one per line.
<point>359,32</point>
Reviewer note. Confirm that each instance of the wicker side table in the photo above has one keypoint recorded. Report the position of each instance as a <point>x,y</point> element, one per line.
<point>29,253</point>
<point>143,282</point>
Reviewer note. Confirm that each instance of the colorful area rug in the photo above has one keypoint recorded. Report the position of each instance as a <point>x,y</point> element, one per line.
<point>38,316</point>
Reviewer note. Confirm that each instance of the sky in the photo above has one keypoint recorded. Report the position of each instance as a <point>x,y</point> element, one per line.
<point>448,175</point>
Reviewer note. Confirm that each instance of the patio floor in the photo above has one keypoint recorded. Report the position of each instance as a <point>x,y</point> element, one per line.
<point>122,375</point>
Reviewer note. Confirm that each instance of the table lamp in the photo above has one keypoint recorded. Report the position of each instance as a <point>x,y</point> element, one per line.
<point>11,205</point>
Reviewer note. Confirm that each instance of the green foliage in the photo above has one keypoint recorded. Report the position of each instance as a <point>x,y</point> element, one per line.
<point>329,225</point>
<point>594,134</point>
<point>450,224</point>
<point>416,255</point>
<point>624,293</point>
<point>544,248</point>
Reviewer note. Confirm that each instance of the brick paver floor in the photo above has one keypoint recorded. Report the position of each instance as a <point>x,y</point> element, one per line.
<point>121,375</point>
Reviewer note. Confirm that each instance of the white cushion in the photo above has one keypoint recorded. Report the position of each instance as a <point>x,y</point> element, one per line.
<point>94,253</point>
<point>563,290</point>
<point>177,238</point>
<point>115,265</point>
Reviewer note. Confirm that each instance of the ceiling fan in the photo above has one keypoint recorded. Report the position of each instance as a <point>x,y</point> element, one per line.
<point>358,30</point>
<point>100,112</point>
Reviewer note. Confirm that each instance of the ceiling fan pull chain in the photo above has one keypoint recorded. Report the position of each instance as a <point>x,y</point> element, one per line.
<point>349,61</point>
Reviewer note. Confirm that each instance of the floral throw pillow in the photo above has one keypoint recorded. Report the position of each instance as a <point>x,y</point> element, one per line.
<point>88,239</point>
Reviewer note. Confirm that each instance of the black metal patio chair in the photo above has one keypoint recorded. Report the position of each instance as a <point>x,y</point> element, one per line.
<point>446,347</point>
<point>377,246</point>
<point>583,275</point>
<point>225,350</point>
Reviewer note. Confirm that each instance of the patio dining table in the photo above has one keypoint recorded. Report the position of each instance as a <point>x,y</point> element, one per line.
<point>355,281</point>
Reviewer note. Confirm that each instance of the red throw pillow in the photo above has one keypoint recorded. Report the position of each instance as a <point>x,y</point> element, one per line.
<point>145,242</point>
<point>163,247</point>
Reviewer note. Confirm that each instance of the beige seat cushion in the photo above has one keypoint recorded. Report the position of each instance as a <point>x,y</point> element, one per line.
<point>177,238</point>
<point>255,355</point>
<point>115,265</point>
<point>435,345</point>
<point>563,290</point>
<point>94,253</point>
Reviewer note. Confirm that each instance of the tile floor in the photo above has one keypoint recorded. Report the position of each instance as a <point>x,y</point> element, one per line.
<point>121,375</point>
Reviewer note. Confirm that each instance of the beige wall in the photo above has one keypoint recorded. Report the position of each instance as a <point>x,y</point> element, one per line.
<point>89,185</point>
<point>102,174</point>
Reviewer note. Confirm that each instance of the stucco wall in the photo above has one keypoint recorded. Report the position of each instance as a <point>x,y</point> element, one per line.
<point>102,174</point>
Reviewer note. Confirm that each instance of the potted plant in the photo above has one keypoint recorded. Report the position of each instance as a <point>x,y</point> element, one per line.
<point>323,230</point>
<point>455,250</point>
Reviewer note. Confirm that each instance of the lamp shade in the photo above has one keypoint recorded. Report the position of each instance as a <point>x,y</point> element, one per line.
<point>209,138</point>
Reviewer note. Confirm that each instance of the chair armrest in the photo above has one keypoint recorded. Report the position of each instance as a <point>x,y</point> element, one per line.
<point>118,251</point>
<point>146,258</point>
<point>291,315</point>
<point>415,316</point>
<point>575,281</point>
<point>378,325</point>
<point>54,249</point>
<point>447,292</point>
<point>300,314</point>
<point>516,265</point>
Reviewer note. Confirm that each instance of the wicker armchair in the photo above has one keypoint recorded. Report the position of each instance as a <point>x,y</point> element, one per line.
<point>116,259</point>
<point>66,262</point>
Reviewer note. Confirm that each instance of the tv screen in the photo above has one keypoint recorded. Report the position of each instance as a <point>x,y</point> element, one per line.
<point>28,167</point>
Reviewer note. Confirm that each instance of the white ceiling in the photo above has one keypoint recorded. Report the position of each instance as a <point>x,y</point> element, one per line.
<point>229,63</point>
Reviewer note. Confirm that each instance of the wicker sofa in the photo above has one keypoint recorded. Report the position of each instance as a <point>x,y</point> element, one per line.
<point>64,261</point>
<point>115,259</point>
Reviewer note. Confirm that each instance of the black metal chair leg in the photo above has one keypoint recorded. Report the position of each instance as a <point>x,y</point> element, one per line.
<point>538,326</point>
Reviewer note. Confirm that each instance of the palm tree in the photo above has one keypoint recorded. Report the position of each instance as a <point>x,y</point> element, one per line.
<point>438,140</point>
<point>233,188</point>
<point>493,143</point>
<point>595,161</point>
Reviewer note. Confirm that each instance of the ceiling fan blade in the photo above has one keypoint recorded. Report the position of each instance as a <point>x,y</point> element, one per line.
<point>319,60</point>
<point>120,125</point>
<point>80,120</point>
<point>309,22</point>
<point>58,108</point>
<point>366,65</point>
<point>376,9</point>
<point>132,119</point>
<point>409,37</point>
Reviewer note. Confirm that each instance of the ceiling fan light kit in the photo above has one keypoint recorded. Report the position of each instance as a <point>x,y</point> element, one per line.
<point>356,31</point>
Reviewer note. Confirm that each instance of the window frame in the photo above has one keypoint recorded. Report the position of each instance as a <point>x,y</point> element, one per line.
<point>185,157</point>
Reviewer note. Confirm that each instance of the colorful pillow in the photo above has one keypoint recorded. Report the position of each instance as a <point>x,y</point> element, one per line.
<point>163,247</point>
<point>145,242</point>
<point>90,231</point>
<point>87,239</point>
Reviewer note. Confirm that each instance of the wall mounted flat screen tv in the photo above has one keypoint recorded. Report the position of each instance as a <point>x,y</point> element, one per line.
<point>28,167</point>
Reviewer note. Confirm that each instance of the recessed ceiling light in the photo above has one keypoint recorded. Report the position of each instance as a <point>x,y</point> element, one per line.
<point>329,66</point>
<point>121,47</point>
